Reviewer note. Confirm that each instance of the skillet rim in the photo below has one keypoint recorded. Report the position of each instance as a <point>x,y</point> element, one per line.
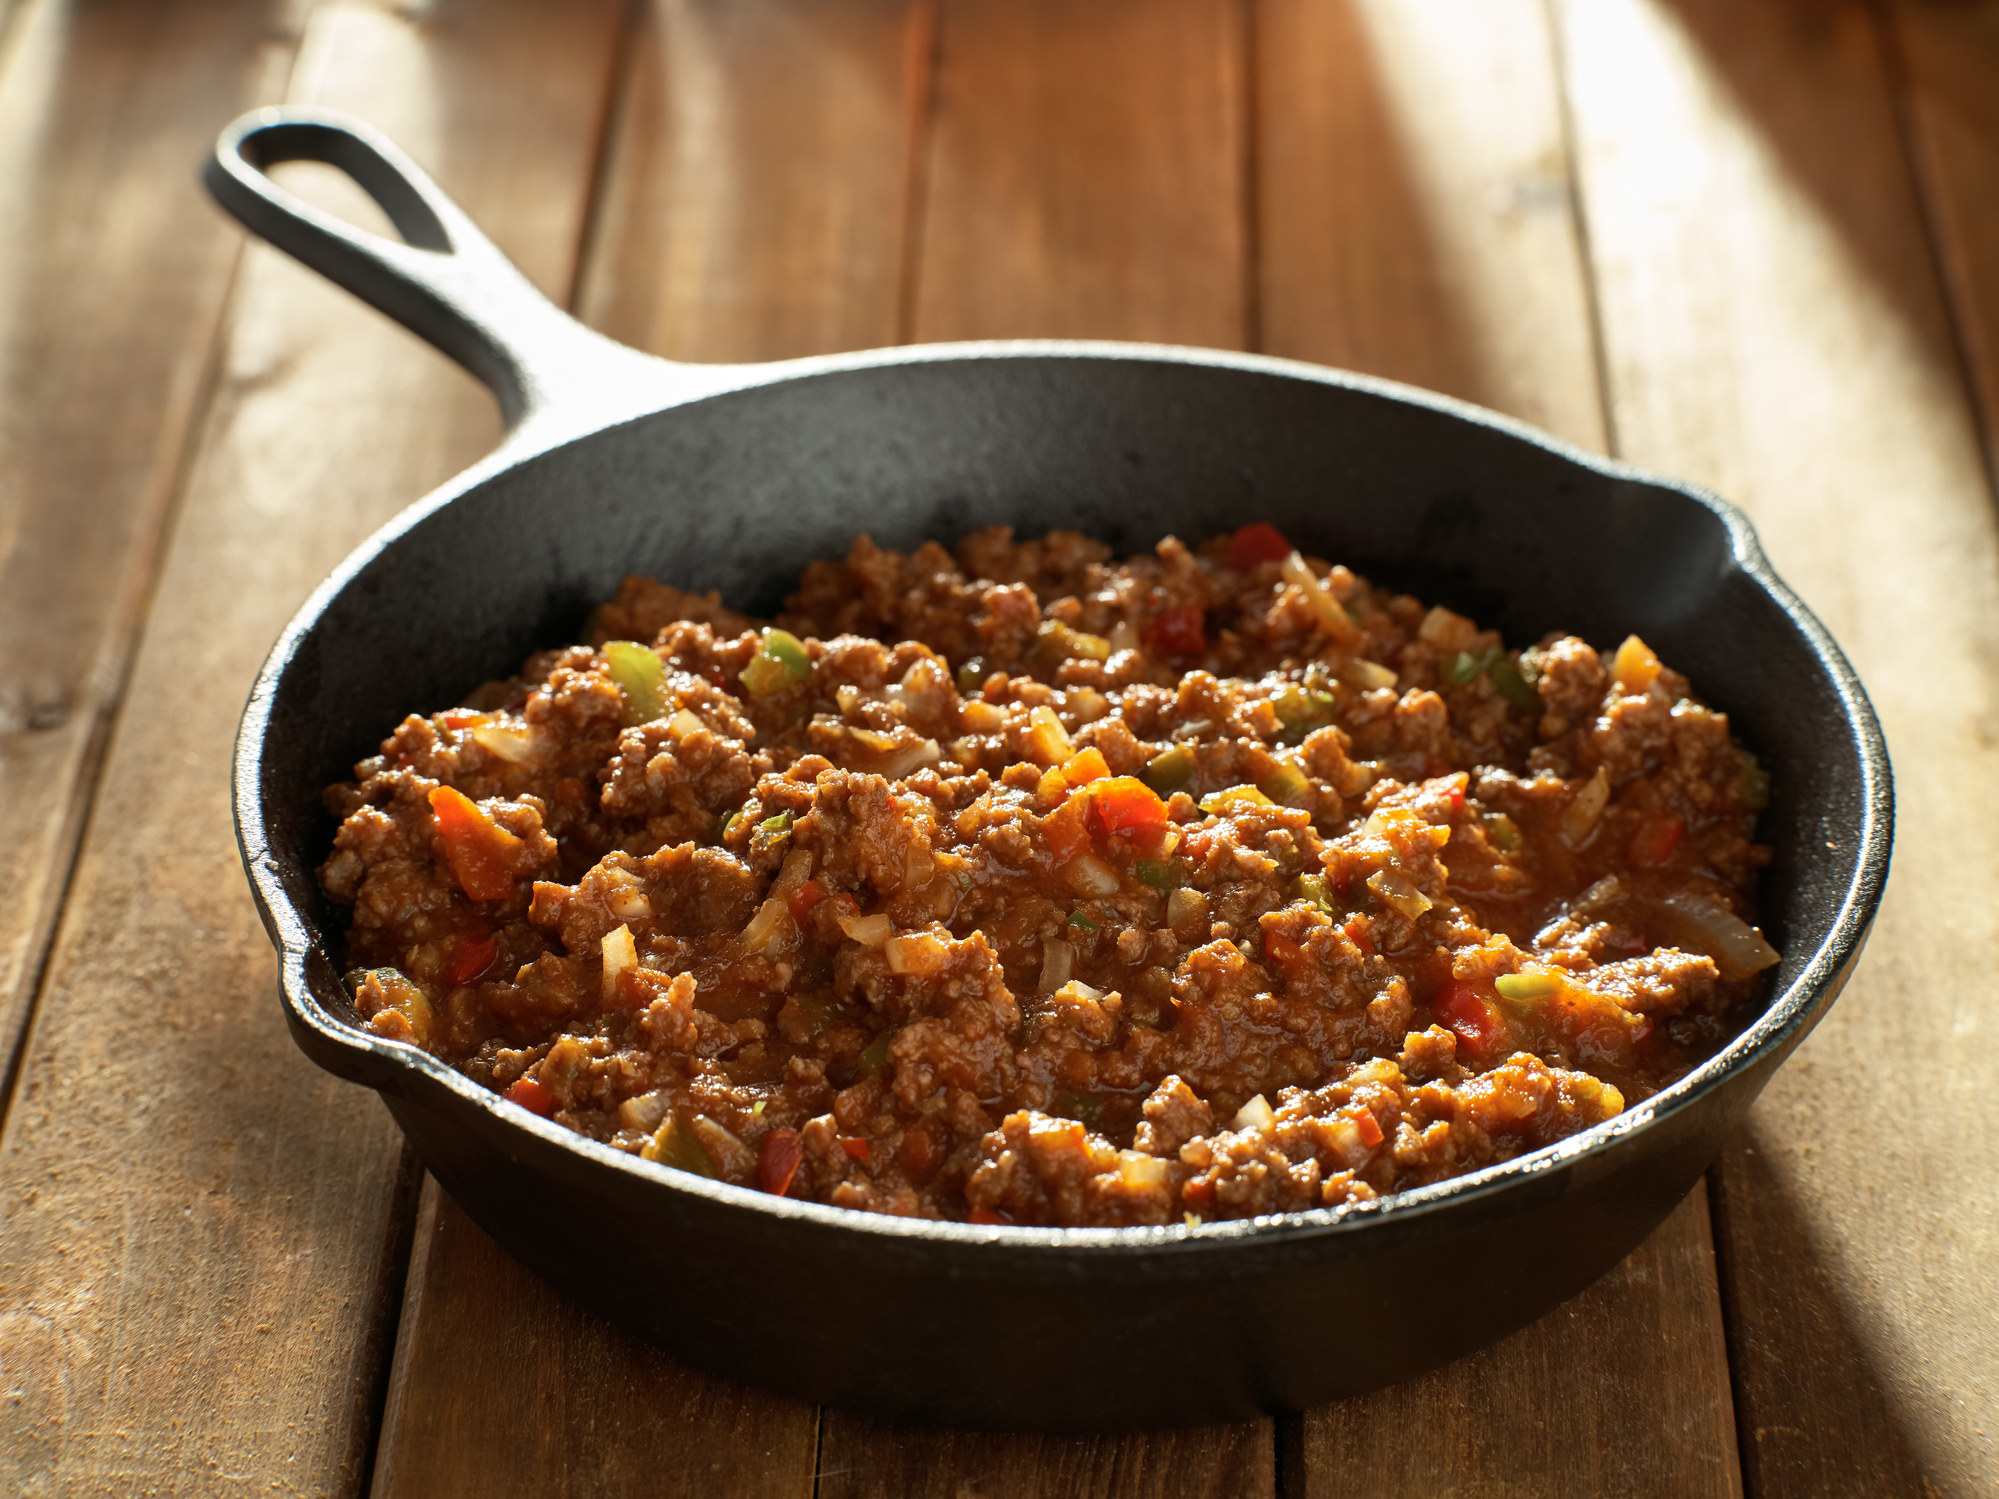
<point>399,1068</point>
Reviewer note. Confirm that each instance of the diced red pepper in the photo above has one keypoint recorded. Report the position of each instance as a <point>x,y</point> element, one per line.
<point>1655,840</point>
<point>461,718</point>
<point>481,852</point>
<point>1370,1131</point>
<point>854,1147</point>
<point>1125,804</point>
<point>1464,1009</point>
<point>472,957</point>
<point>1177,632</point>
<point>1456,794</point>
<point>532,1096</point>
<point>805,897</point>
<point>1259,541</point>
<point>1357,930</point>
<point>985,1216</point>
<point>777,1162</point>
<point>1281,950</point>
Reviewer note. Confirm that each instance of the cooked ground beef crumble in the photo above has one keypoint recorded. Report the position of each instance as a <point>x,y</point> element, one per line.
<point>1017,884</point>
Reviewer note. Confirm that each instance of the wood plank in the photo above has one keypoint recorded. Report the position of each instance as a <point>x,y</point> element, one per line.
<point>1416,221</point>
<point>1085,179</point>
<point>1773,326</point>
<point>752,205</point>
<point>756,198</point>
<point>1622,1390</point>
<point>1414,206</point>
<point>1949,71</point>
<point>867,1459</point>
<point>1086,173</point>
<point>201,1230</point>
<point>107,332</point>
<point>503,1385</point>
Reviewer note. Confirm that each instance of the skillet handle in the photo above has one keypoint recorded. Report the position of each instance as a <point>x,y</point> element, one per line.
<point>444,281</point>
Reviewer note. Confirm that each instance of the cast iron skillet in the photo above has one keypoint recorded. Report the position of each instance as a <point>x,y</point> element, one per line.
<point>733,477</point>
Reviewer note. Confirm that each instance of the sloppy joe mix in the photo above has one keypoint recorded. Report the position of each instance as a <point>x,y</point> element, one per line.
<point>1017,884</point>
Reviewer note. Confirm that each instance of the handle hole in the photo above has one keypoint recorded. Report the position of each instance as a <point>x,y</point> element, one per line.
<point>331,190</point>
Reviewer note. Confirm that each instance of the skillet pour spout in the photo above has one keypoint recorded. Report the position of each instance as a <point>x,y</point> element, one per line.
<point>732,478</point>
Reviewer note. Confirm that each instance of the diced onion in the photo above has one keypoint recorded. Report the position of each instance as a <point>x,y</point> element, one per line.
<point>1048,743</point>
<point>1058,959</point>
<point>644,1112</point>
<point>1737,948</point>
<point>1256,1114</point>
<point>765,926</point>
<point>1399,891</point>
<point>684,723</point>
<point>1140,1171</point>
<point>620,953</point>
<point>1086,874</point>
<point>982,717</point>
<point>1124,636</point>
<point>1446,631</point>
<point>1088,704</point>
<point>1185,906</point>
<point>869,931</point>
<point>1369,676</point>
<point>513,743</point>
<point>909,759</point>
<point>1333,619</point>
<point>1580,818</point>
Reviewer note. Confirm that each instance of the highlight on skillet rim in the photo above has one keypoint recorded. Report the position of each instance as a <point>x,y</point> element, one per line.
<point>728,476</point>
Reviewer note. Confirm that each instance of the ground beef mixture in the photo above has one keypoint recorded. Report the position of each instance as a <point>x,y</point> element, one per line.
<point>1022,885</point>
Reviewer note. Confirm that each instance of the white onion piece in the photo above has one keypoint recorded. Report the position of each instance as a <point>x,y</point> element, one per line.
<point>620,953</point>
<point>513,743</point>
<point>869,931</point>
<point>1581,816</point>
<point>1256,1114</point>
<point>1048,743</point>
<point>1737,948</point>
<point>765,925</point>
<point>1089,875</point>
<point>1140,1171</point>
<point>1400,892</point>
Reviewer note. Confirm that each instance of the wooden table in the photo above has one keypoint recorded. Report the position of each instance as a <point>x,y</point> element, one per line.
<point>1751,243</point>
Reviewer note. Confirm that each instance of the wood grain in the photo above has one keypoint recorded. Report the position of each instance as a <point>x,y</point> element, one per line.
<point>1414,206</point>
<point>1623,1390</point>
<point>1086,173</point>
<point>201,1230</point>
<point>1949,61</point>
<point>752,209</point>
<point>756,198</point>
<point>1774,327</point>
<point>558,1402</point>
<point>107,332</point>
<point>1416,220</point>
<point>866,1459</point>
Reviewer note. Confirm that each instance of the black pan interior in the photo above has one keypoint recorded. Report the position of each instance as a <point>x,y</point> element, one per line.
<point>740,491</point>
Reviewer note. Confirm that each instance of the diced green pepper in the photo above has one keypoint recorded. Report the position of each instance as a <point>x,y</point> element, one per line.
<point>1170,771</point>
<point>1511,685</point>
<point>1286,785</point>
<point>1502,832</point>
<point>1155,872</point>
<point>1079,918</point>
<point>1526,988</point>
<point>1235,796</point>
<point>972,676</point>
<point>777,826</point>
<point>640,675</point>
<point>674,1145</point>
<point>1312,888</point>
<point>780,662</point>
<point>729,821</point>
<point>876,1056</point>
<point>1464,666</point>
